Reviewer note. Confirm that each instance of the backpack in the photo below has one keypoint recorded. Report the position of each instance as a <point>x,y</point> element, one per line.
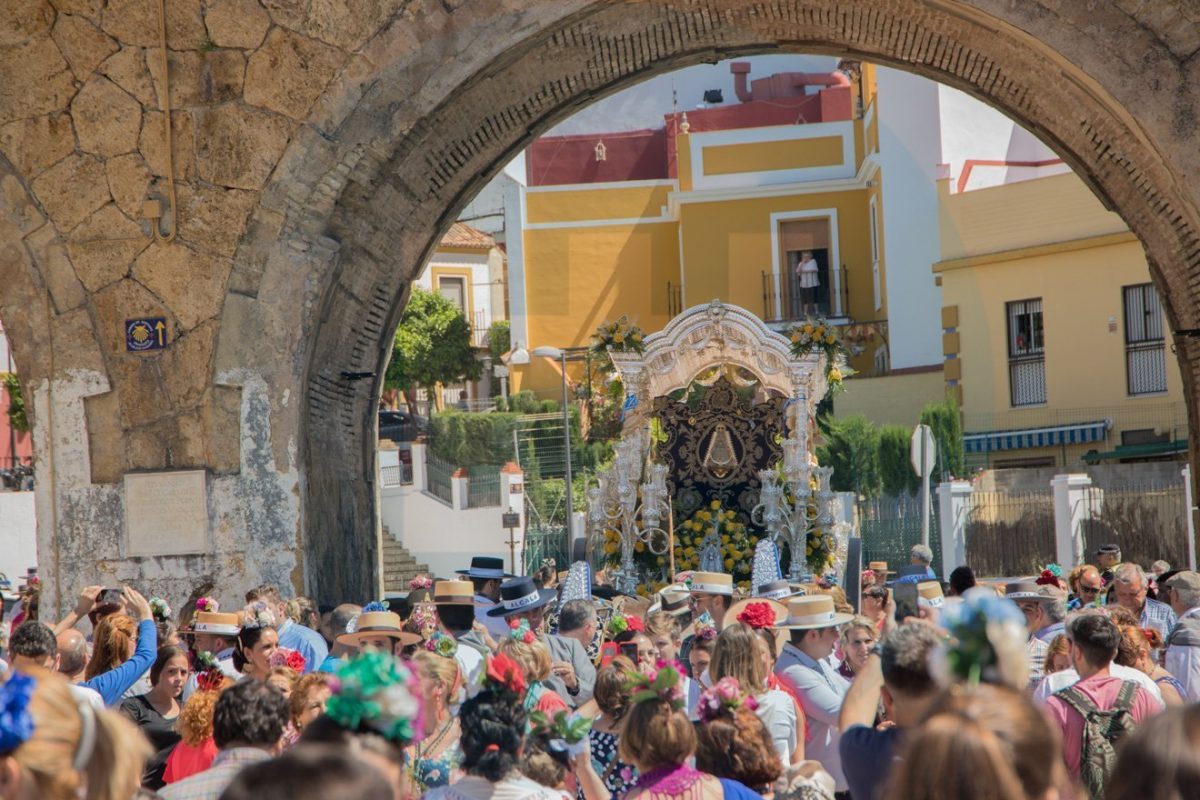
<point>1102,729</point>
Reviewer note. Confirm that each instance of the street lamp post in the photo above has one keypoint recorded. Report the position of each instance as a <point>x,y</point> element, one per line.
<point>561,355</point>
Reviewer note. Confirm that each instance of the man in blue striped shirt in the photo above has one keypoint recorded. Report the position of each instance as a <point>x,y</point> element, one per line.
<point>1130,584</point>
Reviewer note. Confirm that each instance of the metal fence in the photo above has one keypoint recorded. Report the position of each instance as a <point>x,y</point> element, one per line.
<point>439,472</point>
<point>890,526</point>
<point>483,487</point>
<point>1010,533</point>
<point>1148,522</point>
<point>542,542</point>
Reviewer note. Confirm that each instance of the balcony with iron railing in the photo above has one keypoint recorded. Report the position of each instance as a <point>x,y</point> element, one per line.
<point>783,300</point>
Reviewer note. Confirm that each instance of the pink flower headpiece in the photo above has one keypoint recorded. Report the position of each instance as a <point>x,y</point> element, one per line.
<point>725,697</point>
<point>286,657</point>
<point>420,582</point>
<point>208,605</point>
<point>758,615</point>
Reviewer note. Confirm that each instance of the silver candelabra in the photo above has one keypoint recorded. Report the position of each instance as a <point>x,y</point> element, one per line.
<point>783,508</point>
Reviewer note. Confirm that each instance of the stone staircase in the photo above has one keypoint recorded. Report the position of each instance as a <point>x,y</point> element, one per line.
<point>399,566</point>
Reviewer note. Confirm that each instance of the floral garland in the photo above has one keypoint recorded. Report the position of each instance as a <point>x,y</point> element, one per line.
<point>16,723</point>
<point>420,582</point>
<point>736,542</point>
<point>520,630</point>
<point>663,684</point>
<point>621,335</point>
<point>725,697</point>
<point>442,644</point>
<point>818,335</point>
<point>377,692</point>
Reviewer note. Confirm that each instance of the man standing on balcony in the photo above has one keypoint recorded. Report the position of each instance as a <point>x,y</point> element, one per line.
<point>487,573</point>
<point>807,271</point>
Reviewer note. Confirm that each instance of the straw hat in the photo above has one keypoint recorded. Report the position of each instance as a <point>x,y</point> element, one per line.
<point>777,590</point>
<point>813,611</point>
<point>215,623</point>
<point>453,593</point>
<point>929,593</point>
<point>1023,590</point>
<point>374,624</point>
<point>672,599</point>
<point>880,566</point>
<point>712,583</point>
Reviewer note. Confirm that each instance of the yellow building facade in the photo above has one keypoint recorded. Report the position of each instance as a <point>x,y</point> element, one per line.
<point>1054,337</point>
<point>738,203</point>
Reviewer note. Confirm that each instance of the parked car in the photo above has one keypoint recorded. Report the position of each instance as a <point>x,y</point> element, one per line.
<point>400,426</point>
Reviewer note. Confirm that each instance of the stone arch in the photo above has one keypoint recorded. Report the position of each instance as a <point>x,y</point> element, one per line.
<point>344,144</point>
<point>1044,67</point>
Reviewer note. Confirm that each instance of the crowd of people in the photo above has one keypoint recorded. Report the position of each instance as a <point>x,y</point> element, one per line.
<point>489,686</point>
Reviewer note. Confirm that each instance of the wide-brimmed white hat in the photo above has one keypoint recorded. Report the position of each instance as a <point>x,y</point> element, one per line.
<point>929,593</point>
<point>711,583</point>
<point>812,611</point>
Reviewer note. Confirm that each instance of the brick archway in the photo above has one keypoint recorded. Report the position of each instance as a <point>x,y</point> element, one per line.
<point>319,157</point>
<point>388,222</point>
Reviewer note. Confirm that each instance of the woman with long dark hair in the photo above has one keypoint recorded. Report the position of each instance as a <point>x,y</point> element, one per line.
<point>157,711</point>
<point>256,642</point>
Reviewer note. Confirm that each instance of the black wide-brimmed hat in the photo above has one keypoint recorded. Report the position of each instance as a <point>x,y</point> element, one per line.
<point>486,567</point>
<point>519,595</point>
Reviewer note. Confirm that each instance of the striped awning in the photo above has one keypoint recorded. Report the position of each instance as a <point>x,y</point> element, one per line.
<point>1025,438</point>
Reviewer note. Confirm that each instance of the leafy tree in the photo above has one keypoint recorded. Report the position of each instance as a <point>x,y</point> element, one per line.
<point>852,449</point>
<point>946,424</point>
<point>16,403</point>
<point>432,346</point>
<point>895,467</point>
<point>499,339</point>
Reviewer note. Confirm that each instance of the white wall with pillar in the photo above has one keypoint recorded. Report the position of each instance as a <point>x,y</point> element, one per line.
<point>1073,505</point>
<point>954,506</point>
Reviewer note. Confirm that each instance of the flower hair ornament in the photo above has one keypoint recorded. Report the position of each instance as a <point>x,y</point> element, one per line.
<point>420,582</point>
<point>503,675</point>
<point>374,605</point>
<point>442,644</point>
<point>206,604</point>
<point>423,618</point>
<point>16,723</point>
<point>758,615</point>
<point>725,697</point>
<point>287,657</point>
<point>663,684</point>
<point>521,631</point>
<point>160,609</point>
<point>619,623</point>
<point>1050,575</point>
<point>376,692</point>
<point>705,630</point>
<point>258,615</point>
<point>566,734</point>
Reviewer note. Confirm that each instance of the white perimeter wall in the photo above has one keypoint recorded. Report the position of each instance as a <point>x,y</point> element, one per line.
<point>439,536</point>
<point>18,534</point>
<point>909,153</point>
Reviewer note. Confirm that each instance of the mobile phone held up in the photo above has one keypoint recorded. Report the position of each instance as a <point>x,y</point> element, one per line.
<point>630,651</point>
<point>608,651</point>
<point>905,596</point>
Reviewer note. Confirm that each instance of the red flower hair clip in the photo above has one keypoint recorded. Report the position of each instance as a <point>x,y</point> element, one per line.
<point>210,680</point>
<point>504,673</point>
<point>758,615</point>
<point>1047,578</point>
<point>636,624</point>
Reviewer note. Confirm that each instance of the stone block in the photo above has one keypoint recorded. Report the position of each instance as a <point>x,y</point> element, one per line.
<point>187,365</point>
<point>128,182</point>
<point>200,78</point>
<point>104,246</point>
<point>191,284</point>
<point>127,68</point>
<point>75,346</point>
<point>143,397</point>
<point>83,8</point>
<point>106,437</point>
<point>151,446</point>
<point>35,143</point>
<point>24,20</point>
<point>238,146</point>
<point>36,81</point>
<point>125,299</point>
<point>71,190</point>
<point>236,23</point>
<point>136,22</point>
<point>212,218</point>
<point>82,44</point>
<point>107,120</point>
<point>289,13</point>
<point>349,26</point>
<point>223,419</point>
<point>50,255</point>
<point>153,146</point>
<point>289,71</point>
<point>19,206</point>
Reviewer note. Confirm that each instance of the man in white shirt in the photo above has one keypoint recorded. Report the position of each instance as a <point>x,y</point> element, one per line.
<point>486,574</point>
<point>1183,642</point>
<point>814,625</point>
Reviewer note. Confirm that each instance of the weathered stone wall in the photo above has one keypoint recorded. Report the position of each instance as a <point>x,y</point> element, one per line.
<point>320,147</point>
